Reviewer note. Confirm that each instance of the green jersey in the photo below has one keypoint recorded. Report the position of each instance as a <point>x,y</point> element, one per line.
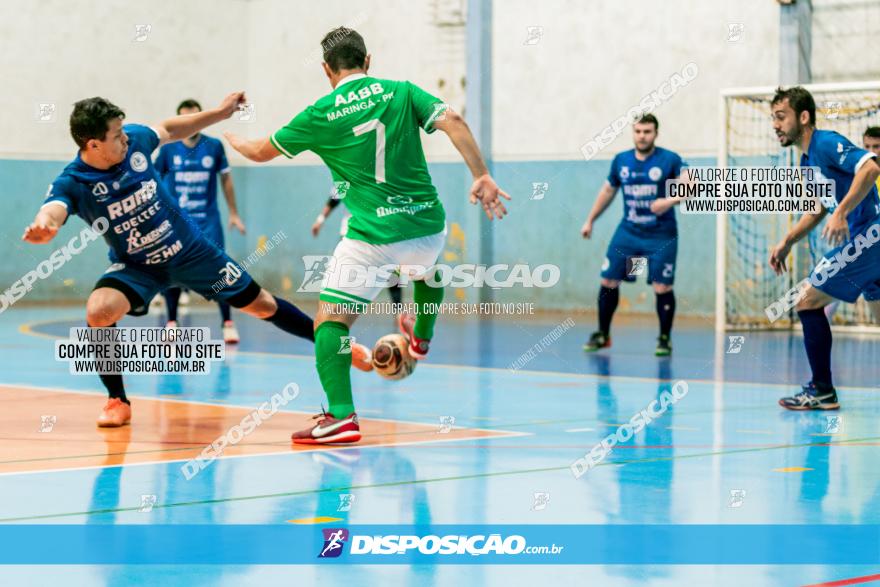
<point>367,132</point>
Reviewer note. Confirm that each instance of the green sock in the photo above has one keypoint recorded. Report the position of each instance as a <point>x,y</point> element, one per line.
<point>427,299</point>
<point>334,368</point>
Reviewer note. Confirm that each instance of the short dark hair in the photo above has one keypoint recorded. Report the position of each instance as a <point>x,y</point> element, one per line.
<point>649,119</point>
<point>873,132</point>
<point>188,103</point>
<point>344,48</point>
<point>799,99</point>
<point>89,119</point>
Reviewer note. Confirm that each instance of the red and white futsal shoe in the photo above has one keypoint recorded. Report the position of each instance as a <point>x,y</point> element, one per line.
<point>116,413</point>
<point>418,347</point>
<point>330,430</point>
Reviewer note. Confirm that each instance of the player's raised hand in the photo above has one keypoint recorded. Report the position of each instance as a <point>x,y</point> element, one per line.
<point>39,233</point>
<point>487,192</point>
<point>778,255</point>
<point>587,229</point>
<point>231,104</point>
<point>836,230</point>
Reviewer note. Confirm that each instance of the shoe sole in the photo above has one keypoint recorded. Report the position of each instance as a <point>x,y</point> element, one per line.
<point>809,409</point>
<point>346,437</point>
<point>591,349</point>
<point>113,424</point>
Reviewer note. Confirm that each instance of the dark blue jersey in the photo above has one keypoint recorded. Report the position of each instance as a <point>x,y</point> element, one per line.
<point>642,182</point>
<point>839,160</point>
<point>190,174</point>
<point>146,224</point>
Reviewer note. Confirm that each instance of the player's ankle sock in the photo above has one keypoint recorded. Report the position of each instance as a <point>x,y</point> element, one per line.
<point>114,386</point>
<point>113,383</point>
<point>817,341</point>
<point>172,299</point>
<point>291,319</point>
<point>427,299</point>
<point>396,293</point>
<point>666,311</point>
<point>608,298</point>
<point>225,312</point>
<point>334,368</point>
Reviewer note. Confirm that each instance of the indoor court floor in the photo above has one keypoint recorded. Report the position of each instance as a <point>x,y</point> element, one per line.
<point>725,454</point>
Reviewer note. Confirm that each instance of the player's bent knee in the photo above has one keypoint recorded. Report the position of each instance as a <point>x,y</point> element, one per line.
<point>813,299</point>
<point>105,307</point>
<point>662,288</point>
<point>610,283</point>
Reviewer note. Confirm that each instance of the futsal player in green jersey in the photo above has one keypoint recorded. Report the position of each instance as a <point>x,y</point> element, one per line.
<point>367,132</point>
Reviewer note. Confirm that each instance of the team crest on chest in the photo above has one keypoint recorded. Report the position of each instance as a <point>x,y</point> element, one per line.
<point>654,173</point>
<point>207,162</point>
<point>138,161</point>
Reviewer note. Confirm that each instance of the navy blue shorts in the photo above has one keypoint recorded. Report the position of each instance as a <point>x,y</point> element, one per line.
<point>852,269</point>
<point>633,253</point>
<point>203,268</point>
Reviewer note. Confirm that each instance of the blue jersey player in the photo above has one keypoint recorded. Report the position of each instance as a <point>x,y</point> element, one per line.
<point>153,243</point>
<point>190,169</point>
<point>646,238</point>
<point>852,267</point>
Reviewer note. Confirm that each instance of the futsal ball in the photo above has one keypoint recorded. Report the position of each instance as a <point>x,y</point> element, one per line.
<point>391,357</point>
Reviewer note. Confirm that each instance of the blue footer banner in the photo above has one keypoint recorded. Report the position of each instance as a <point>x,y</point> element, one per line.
<point>286,544</point>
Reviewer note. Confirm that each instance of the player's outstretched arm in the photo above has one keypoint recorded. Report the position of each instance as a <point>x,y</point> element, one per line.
<point>484,188</point>
<point>606,195</point>
<point>836,230</point>
<point>46,224</point>
<point>186,125</point>
<point>259,150</point>
<point>803,227</point>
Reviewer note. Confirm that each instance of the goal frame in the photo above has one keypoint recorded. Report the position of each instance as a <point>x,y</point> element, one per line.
<point>721,324</point>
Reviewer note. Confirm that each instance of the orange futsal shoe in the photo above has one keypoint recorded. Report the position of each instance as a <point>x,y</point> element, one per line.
<point>116,413</point>
<point>361,357</point>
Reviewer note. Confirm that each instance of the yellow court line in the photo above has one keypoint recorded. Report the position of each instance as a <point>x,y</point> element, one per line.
<point>316,520</point>
<point>792,469</point>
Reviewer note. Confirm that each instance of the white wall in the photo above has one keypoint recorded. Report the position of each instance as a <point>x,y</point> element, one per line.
<point>59,51</point>
<point>597,59</point>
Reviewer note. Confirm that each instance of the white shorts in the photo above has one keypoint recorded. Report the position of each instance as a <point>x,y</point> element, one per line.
<point>358,270</point>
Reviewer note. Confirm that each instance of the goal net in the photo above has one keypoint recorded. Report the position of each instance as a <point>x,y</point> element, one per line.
<point>745,284</point>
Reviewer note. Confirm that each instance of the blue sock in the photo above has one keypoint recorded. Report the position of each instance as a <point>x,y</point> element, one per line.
<point>172,298</point>
<point>290,319</point>
<point>225,312</point>
<point>817,341</point>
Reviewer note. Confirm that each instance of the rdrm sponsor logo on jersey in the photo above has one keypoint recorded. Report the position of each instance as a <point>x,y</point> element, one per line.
<point>134,201</point>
